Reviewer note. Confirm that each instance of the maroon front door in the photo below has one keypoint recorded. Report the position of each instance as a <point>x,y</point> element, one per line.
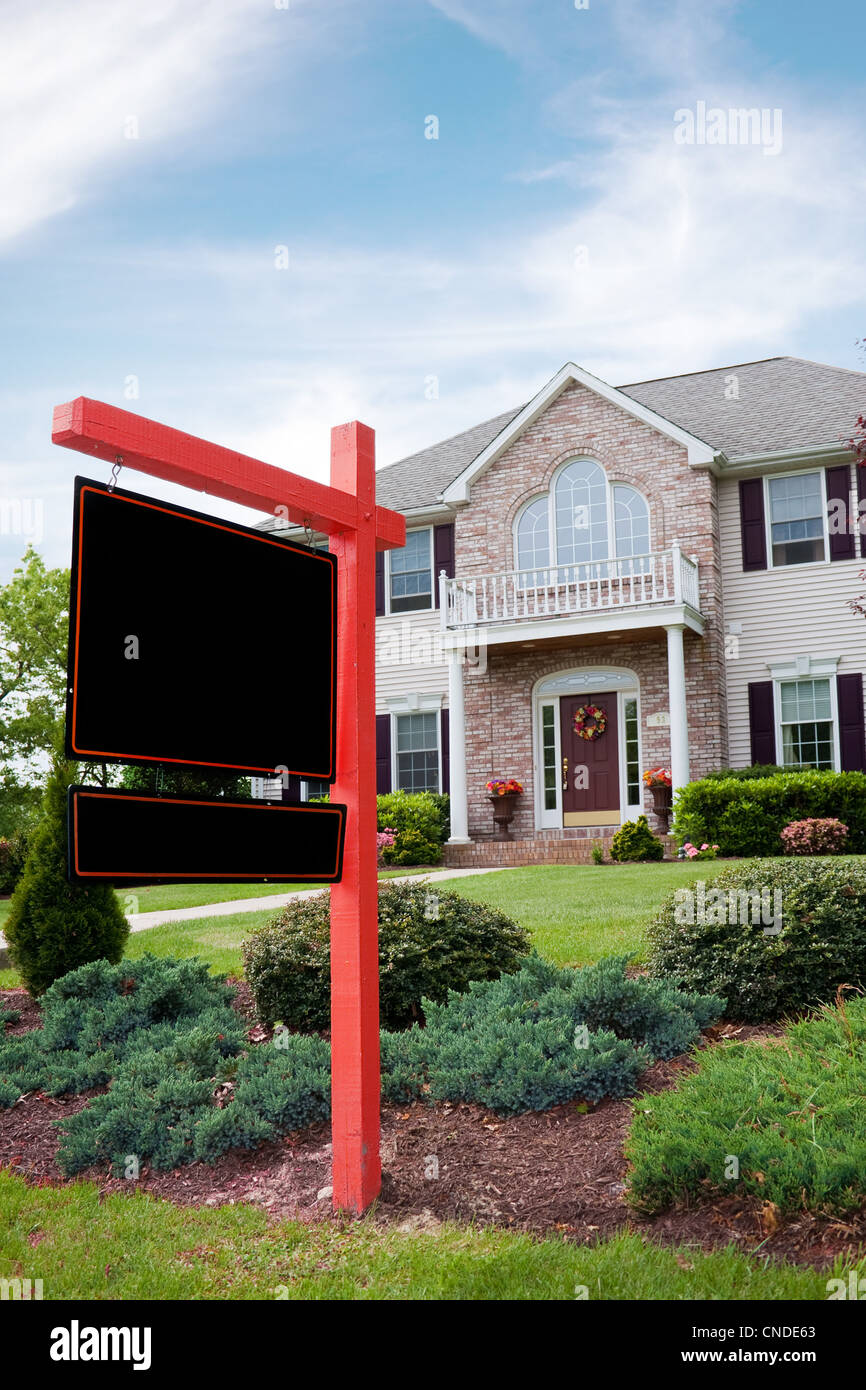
<point>589,773</point>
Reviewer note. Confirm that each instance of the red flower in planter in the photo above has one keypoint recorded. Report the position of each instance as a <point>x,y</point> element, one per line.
<point>658,777</point>
<point>504,786</point>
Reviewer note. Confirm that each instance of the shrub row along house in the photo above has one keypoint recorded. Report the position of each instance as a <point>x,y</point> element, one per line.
<point>676,553</point>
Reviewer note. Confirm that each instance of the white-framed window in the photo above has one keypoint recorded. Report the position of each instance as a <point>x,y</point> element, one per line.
<point>796,519</point>
<point>416,751</point>
<point>582,520</point>
<point>410,573</point>
<point>807,723</point>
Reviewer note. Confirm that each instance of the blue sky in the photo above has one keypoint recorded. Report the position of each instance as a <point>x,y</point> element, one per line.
<point>555,217</point>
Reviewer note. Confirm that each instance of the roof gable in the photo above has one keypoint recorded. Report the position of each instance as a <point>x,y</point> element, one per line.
<point>456,493</point>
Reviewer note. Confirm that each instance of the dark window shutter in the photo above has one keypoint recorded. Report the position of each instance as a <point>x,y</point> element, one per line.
<point>838,488</point>
<point>762,722</point>
<point>860,470</point>
<point>752,528</point>
<point>383,754</point>
<point>444,730</point>
<point>852,741</point>
<point>380,583</point>
<point>292,791</point>
<point>443,556</point>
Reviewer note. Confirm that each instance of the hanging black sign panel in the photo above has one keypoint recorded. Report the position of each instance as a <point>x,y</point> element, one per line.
<point>132,838</point>
<point>197,641</point>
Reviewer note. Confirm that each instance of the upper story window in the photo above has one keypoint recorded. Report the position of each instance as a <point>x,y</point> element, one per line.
<point>583,519</point>
<point>796,519</point>
<point>410,573</point>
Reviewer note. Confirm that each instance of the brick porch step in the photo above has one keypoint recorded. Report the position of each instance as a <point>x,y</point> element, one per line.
<point>542,849</point>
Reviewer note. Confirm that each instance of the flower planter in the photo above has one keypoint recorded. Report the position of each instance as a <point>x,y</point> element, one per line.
<point>662,802</point>
<point>503,814</point>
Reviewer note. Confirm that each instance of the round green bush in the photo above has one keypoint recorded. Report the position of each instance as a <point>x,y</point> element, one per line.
<point>772,936</point>
<point>429,942</point>
<point>635,841</point>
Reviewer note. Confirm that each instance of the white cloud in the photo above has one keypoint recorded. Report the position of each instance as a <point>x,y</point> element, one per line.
<point>74,80</point>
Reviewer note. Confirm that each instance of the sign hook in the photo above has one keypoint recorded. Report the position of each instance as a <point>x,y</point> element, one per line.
<point>118,464</point>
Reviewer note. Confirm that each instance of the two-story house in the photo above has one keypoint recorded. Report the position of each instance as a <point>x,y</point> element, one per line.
<point>676,553</point>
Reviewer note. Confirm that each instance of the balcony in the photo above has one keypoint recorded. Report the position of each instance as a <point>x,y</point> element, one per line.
<point>635,591</point>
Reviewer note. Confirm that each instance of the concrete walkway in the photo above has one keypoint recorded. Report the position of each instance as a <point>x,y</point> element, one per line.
<point>142,921</point>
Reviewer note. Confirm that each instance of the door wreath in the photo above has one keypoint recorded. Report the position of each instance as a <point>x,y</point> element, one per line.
<point>590,722</point>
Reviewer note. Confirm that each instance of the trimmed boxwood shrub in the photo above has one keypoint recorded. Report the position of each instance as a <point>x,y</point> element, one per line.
<point>420,820</point>
<point>763,973</point>
<point>635,841</point>
<point>746,774</point>
<point>746,817</point>
<point>429,942</point>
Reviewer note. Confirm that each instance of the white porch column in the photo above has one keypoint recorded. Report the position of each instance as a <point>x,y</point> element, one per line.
<point>457,751</point>
<point>677,706</point>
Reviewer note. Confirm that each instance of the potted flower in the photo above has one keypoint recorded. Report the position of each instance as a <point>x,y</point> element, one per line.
<point>502,793</point>
<point>660,783</point>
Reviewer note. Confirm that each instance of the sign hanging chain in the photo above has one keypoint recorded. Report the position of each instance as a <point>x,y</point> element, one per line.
<point>118,464</point>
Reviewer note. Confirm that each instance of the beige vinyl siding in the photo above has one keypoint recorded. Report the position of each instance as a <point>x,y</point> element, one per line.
<point>787,612</point>
<point>409,658</point>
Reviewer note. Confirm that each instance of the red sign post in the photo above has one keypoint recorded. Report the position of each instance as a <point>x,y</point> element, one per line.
<point>346,512</point>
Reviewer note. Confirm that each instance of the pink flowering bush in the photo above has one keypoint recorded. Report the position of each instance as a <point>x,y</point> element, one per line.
<point>816,836</point>
<point>704,851</point>
<point>384,840</point>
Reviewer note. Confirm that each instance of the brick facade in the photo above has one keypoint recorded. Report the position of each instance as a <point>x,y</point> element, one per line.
<point>683,509</point>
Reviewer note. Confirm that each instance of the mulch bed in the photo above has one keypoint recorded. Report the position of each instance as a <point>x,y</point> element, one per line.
<point>561,1171</point>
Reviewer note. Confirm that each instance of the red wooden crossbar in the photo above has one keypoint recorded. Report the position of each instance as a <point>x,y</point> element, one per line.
<point>106,432</point>
<point>347,512</point>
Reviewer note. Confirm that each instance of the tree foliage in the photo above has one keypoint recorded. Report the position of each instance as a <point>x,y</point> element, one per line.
<point>34,608</point>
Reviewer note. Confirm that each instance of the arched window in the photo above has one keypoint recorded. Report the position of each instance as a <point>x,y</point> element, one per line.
<point>630,521</point>
<point>582,520</point>
<point>533,535</point>
<point>580,506</point>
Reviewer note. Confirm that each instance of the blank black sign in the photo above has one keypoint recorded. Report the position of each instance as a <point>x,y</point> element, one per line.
<point>133,838</point>
<point>197,641</point>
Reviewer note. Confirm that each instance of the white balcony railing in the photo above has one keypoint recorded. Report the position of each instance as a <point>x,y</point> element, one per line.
<point>551,591</point>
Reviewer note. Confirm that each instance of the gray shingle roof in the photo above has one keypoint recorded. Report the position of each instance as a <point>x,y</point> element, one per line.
<point>417,481</point>
<point>783,403</point>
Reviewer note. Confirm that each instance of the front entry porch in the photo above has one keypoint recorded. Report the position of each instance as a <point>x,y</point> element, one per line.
<point>577,731</point>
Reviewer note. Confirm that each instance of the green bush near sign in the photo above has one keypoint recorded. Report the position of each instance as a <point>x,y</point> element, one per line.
<point>186,1084</point>
<point>429,943</point>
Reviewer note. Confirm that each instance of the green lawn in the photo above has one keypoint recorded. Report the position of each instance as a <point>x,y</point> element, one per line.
<point>578,913</point>
<point>166,897</point>
<point>575,913</point>
<point>136,1247</point>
